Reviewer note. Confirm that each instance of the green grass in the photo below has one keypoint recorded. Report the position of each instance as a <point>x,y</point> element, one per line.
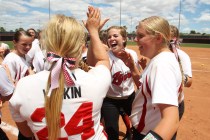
<point>195,45</point>
<point>10,43</point>
<point>132,43</point>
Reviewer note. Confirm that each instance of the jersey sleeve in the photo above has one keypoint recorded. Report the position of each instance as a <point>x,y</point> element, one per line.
<point>15,104</point>
<point>164,84</point>
<point>11,65</point>
<point>186,63</point>
<point>103,75</point>
<point>6,87</point>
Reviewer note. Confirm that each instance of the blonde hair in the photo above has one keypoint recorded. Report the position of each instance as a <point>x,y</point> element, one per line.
<point>156,24</point>
<point>64,36</point>
<point>176,35</point>
<point>123,32</point>
<point>175,31</point>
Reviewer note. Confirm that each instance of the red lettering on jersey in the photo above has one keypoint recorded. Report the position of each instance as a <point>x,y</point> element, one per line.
<point>83,114</point>
<point>118,78</point>
<point>37,116</point>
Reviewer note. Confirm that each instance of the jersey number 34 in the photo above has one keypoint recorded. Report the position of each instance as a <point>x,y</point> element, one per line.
<point>72,127</point>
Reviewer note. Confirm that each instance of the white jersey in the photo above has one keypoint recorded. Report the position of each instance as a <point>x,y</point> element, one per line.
<point>17,65</point>
<point>160,83</point>
<point>122,81</point>
<point>80,109</point>
<point>186,66</point>
<point>6,87</point>
<point>35,53</point>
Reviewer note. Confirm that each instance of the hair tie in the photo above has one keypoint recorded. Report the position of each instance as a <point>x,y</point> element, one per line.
<point>173,48</point>
<point>63,63</point>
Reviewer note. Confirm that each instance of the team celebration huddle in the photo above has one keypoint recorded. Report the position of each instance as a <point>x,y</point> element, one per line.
<point>62,86</point>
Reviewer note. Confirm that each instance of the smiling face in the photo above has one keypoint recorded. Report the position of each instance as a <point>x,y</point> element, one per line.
<point>32,32</point>
<point>146,42</point>
<point>116,41</point>
<point>153,35</point>
<point>23,45</point>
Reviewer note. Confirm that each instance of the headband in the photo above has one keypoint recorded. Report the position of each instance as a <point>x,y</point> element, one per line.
<point>60,63</point>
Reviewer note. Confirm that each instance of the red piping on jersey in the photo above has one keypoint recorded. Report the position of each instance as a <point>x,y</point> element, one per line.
<point>18,75</point>
<point>148,89</point>
<point>112,65</point>
<point>15,74</point>
<point>180,88</point>
<point>142,118</point>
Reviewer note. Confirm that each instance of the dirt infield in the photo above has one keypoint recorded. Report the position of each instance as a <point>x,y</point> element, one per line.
<point>195,124</point>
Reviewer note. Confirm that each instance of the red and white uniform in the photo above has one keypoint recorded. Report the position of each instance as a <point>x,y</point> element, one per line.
<point>35,53</point>
<point>122,82</point>
<point>81,106</point>
<point>17,65</point>
<point>186,66</point>
<point>160,83</point>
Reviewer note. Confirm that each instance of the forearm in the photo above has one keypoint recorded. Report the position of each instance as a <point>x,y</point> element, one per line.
<point>96,53</point>
<point>24,129</point>
<point>135,75</point>
<point>169,122</point>
<point>166,129</point>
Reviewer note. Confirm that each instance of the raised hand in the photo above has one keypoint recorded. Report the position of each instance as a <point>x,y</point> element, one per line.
<point>126,58</point>
<point>91,14</point>
<point>93,19</point>
<point>102,23</point>
<point>142,62</point>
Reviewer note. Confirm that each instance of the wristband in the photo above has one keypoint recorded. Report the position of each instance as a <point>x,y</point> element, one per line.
<point>185,79</point>
<point>151,135</point>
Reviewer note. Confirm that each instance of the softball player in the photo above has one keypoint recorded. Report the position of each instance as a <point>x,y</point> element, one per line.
<point>185,62</point>
<point>121,92</point>
<point>154,113</point>
<point>35,53</point>
<point>4,50</point>
<point>18,61</point>
<point>65,101</point>
<point>6,90</point>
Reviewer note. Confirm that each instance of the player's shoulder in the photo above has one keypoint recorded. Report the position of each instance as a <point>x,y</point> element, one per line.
<point>181,52</point>
<point>34,78</point>
<point>100,69</point>
<point>132,52</point>
<point>11,57</point>
<point>164,59</point>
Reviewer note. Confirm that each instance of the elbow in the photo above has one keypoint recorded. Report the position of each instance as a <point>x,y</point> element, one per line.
<point>189,82</point>
<point>177,124</point>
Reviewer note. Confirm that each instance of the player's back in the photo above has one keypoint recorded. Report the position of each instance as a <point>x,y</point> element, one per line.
<point>80,113</point>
